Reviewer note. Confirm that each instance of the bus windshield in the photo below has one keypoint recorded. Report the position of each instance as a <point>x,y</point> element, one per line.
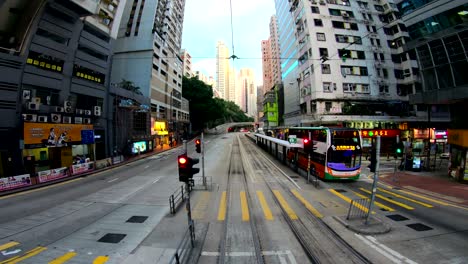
<point>345,150</point>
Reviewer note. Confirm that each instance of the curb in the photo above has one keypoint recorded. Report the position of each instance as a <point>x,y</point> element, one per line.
<point>381,228</point>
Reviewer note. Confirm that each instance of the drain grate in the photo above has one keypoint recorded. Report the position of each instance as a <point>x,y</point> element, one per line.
<point>112,238</point>
<point>397,217</point>
<point>419,227</point>
<point>340,190</point>
<point>137,219</point>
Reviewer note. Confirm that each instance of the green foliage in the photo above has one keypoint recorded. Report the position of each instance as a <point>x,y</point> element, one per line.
<point>206,111</point>
<point>130,86</point>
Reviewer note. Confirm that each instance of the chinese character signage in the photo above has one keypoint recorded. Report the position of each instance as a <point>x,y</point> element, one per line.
<point>380,132</point>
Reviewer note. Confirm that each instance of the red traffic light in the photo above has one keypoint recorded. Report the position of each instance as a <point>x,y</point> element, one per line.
<point>306,140</point>
<point>197,141</point>
<point>182,160</point>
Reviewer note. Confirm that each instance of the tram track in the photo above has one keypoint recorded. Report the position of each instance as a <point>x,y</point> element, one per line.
<point>321,243</point>
<point>237,173</point>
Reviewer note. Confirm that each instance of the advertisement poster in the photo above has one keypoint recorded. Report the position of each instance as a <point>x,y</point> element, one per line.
<point>14,182</point>
<point>50,175</point>
<point>53,135</point>
<point>82,167</point>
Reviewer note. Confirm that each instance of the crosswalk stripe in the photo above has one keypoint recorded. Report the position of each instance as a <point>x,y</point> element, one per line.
<point>265,207</point>
<point>101,260</point>
<point>222,207</point>
<point>8,245</point>
<point>28,254</point>
<point>64,258</point>
<point>357,205</point>
<point>406,198</point>
<point>377,203</point>
<point>244,206</point>
<point>307,204</point>
<point>389,200</point>
<point>285,205</point>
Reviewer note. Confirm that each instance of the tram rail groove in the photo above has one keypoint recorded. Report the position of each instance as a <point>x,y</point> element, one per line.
<point>253,228</point>
<point>318,223</point>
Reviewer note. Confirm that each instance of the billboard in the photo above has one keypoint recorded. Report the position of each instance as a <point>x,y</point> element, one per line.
<point>53,135</point>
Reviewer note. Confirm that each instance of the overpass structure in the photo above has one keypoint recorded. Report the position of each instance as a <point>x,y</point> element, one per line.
<point>224,128</point>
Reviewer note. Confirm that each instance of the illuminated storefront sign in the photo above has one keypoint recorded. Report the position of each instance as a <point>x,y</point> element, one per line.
<point>440,134</point>
<point>380,132</point>
<point>458,137</point>
<point>53,135</point>
<point>159,128</point>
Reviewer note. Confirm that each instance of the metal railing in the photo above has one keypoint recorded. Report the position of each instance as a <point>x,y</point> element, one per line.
<point>185,246</point>
<point>359,208</point>
<point>176,198</point>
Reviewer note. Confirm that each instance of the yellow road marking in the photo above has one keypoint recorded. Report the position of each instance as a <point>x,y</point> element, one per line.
<point>357,205</point>
<point>39,189</point>
<point>265,207</point>
<point>222,208</point>
<point>285,205</point>
<point>406,198</point>
<point>307,204</point>
<point>8,245</point>
<point>244,206</point>
<point>377,203</point>
<point>199,210</point>
<point>101,260</point>
<point>28,254</point>
<point>389,200</point>
<point>64,258</point>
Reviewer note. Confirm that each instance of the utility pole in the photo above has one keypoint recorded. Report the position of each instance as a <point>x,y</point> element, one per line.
<point>203,159</point>
<point>376,178</point>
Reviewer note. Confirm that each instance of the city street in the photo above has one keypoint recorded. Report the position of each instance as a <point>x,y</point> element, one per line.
<point>254,210</point>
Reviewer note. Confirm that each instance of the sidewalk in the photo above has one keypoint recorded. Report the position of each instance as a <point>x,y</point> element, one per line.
<point>436,184</point>
<point>131,159</point>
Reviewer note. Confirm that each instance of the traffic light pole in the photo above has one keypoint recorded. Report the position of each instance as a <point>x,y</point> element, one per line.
<point>376,178</point>
<point>202,144</point>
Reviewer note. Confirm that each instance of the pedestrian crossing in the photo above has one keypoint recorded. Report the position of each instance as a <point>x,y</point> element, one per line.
<point>13,253</point>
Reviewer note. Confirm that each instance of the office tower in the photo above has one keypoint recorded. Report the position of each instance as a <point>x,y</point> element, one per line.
<point>246,91</point>
<point>275,51</point>
<point>223,77</point>
<point>147,54</point>
<point>55,62</point>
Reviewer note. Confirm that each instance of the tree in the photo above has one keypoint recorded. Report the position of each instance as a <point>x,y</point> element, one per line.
<point>207,111</point>
<point>130,86</point>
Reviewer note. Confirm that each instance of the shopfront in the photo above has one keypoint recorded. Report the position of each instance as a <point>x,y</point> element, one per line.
<point>458,165</point>
<point>51,149</point>
<point>160,133</point>
<point>388,138</point>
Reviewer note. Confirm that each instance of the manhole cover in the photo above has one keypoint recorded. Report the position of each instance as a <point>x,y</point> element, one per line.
<point>420,227</point>
<point>397,217</point>
<point>340,190</point>
<point>137,219</point>
<point>112,238</point>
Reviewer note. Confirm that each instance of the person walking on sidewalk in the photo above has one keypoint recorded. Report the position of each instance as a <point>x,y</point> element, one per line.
<point>170,140</point>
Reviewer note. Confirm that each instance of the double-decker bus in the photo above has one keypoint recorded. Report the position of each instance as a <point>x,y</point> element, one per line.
<point>330,153</point>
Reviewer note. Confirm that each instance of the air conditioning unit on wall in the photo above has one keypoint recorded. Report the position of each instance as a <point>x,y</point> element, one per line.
<point>67,119</point>
<point>30,117</point>
<point>56,118</point>
<point>97,110</point>
<point>42,119</point>
<point>33,106</point>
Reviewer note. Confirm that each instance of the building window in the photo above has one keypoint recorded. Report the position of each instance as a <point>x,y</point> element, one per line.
<point>321,36</point>
<point>315,10</point>
<point>313,106</point>
<point>328,106</point>
<point>327,87</point>
<point>383,89</point>
<point>318,22</point>
<point>326,69</point>
<point>349,87</point>
<point>323,52</point>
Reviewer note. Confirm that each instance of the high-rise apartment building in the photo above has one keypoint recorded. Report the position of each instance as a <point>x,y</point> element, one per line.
<point>267,67</point>
<point>187,63</point>
<point>147,53</point>
<point>246,91</point>
<point>352,70</point>
<point>225,77</point>
<point>55,59</point>
<point>275,51</point>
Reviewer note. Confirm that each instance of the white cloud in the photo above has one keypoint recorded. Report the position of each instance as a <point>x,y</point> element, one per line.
<point>206,66</point>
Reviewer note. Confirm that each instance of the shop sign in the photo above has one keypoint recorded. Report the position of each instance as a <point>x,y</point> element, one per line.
<point>380,132</point>
<point>14,182</point>
<point>421,133</point>
<point>82,167</point>
<point>50,175</point>
<point>344,147</point>
<point>53,135</point>
<point>440,134</point>
<point>458,137</point>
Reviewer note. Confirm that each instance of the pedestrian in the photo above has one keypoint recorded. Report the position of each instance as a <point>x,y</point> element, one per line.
<point>170,140</point>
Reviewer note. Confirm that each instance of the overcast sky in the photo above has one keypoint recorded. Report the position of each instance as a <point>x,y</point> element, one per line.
<point>207,21</point>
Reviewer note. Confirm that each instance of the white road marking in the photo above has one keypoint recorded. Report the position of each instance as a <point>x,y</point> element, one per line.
<point>147,166</point>
<point>391,254</point>
<point>6,253</point>
<point>279,253</point>
<point>113,180</point>
<point>155,181</point>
